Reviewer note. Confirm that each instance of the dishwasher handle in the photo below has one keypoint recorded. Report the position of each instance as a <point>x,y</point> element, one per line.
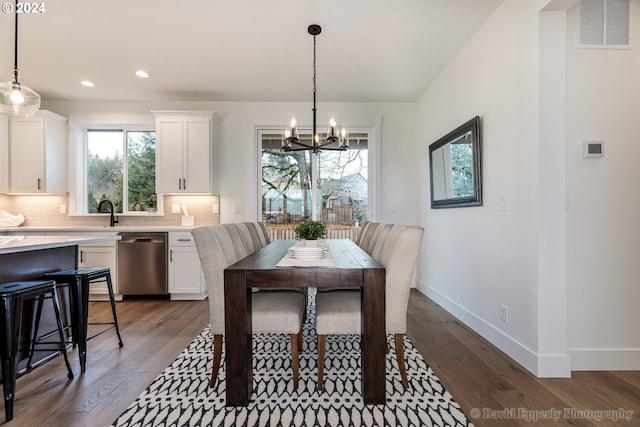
<point>141,240</point>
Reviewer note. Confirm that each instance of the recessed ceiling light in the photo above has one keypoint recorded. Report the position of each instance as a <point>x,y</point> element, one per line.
<point>87,83</point>
<point>142,73</point>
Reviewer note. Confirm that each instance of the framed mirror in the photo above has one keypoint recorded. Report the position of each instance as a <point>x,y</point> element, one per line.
<point>455,167</point>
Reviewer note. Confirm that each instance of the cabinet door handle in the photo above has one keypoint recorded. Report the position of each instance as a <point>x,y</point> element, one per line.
<point>39,184</point>
<point>81,256</point>
<point>184,183</point>
<point>170,255</point>
<point>179,183</point>
<point>184,240</point>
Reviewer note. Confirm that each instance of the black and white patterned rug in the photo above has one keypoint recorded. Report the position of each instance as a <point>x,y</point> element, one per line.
<point>181,396</point>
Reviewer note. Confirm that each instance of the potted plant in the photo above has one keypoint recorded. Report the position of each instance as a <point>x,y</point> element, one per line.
<point>310,230</point>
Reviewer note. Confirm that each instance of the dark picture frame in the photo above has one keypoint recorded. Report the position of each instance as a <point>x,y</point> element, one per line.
<point>455,167</point>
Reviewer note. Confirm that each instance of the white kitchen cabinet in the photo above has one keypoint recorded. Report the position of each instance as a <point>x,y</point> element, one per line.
<point>38,148</point>
<point>4,154</point>
<point>100,255</point>
<point>185,144</point>
<point>186,279</point>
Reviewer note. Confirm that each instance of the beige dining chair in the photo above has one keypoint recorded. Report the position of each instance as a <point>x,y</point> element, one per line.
<point>338,312</point>
<point>254,235</point>
<point>370,236</point>
<point>220,246</point>
<point>362,233</point>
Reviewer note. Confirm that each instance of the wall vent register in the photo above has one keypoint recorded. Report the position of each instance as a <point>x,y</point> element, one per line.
<point>593,149</point>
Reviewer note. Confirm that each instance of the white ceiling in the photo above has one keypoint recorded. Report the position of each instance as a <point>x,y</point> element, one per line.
<point>246,50</point>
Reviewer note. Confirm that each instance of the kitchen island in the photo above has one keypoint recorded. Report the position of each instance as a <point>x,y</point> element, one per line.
<point>15,243</point>
<point>29,257</point>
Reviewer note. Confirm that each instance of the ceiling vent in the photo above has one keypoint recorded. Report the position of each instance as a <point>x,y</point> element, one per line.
<point>604,24</point>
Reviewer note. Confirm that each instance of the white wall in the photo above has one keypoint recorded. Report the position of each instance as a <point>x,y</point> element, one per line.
<point>393,124</point>
<point>564,257</point>
<point>603,231</point>
<point>476,259</point>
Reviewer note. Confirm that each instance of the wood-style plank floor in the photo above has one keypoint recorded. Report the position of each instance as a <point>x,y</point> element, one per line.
<point>478,376</point>
<point>490,385</point>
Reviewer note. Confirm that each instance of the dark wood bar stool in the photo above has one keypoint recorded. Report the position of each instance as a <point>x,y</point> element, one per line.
<point>79,280</point>
<point>12,298</point>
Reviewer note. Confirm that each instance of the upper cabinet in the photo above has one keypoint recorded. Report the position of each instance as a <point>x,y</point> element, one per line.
<point>185,144</point>
<point>38,147</point>
<point>4,154</point>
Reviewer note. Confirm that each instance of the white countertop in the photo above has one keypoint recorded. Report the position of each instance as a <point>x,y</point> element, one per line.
<point>92,228</point>
<point>20,243</point>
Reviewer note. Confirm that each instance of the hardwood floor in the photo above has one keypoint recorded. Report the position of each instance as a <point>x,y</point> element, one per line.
<point>484,381</point>
<point>154,332</point>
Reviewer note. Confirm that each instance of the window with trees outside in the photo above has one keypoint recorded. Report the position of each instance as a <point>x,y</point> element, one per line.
<point>338,180</point>
<point>121,167</point>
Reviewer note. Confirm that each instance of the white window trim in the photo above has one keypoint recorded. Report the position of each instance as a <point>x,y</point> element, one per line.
<point>373,156</point>
<point>78,192</point>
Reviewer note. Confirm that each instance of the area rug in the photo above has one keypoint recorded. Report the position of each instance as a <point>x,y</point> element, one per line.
<point>181,396</point>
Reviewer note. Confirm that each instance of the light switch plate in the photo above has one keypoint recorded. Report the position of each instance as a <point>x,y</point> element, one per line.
<point>175,208</point>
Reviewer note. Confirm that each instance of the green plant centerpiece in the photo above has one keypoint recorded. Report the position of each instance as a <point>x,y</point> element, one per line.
<point>310,230</point>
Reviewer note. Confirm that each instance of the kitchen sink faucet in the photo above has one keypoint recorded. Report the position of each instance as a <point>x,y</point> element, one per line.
<point>112,219</point>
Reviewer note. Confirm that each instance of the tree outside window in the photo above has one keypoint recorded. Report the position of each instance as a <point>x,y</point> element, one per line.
<point>288,180</point>
<point>121,166</point>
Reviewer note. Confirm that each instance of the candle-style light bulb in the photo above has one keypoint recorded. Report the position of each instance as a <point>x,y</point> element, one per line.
<point>344,136</point>
<point>333,123</point>
<point>16,96</point>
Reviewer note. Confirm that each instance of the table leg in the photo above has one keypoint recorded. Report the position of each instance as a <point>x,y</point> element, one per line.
<point>373,337</point>
<point>239,352</point>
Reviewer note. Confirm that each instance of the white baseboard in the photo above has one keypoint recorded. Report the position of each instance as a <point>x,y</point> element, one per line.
<point>556,366</point>
<point>188,297</point>
<point>605,359</point>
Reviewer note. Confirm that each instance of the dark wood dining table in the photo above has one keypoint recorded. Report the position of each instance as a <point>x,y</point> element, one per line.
<point>353,268</point>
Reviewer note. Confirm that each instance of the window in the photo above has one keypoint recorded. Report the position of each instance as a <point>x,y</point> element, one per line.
<point>338,181</point>
<point>121,167</point>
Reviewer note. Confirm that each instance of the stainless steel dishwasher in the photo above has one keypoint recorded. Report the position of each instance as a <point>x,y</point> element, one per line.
<point>142,265</point>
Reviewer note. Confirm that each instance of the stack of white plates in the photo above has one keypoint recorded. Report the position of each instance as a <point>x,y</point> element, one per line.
<point>308,253</point>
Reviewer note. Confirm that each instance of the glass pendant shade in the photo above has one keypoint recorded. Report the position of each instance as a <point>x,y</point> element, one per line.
<point>332,128</point>
<point>343,136</point>
<point>17,99</point>
<point>290,134</point>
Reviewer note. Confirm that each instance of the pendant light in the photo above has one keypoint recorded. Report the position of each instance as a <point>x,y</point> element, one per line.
<point>16,98</point>
<point>337,136</point>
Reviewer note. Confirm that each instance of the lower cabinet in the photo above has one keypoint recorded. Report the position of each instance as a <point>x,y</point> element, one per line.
<point>186,279</point>
<point>100,255</point>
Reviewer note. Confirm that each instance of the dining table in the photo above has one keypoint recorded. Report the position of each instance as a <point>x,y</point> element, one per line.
<point>349,267</point>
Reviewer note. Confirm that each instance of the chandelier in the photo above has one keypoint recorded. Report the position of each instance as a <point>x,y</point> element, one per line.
<point>337,136</point>
<point>16,98</point>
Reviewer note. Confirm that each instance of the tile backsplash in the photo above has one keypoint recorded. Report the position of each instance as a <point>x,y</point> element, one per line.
<point>45,211</point>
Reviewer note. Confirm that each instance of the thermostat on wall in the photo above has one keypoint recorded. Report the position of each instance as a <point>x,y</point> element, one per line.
<point>593,149</point>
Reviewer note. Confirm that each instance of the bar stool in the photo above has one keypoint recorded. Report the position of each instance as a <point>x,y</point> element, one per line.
<point>12,298</point>
<point>79,280</point>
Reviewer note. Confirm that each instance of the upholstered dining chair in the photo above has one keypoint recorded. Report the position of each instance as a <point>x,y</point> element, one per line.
<point>338,312</point>
<point>253,234</point>
<point>362,233</point>
<point>370,236</point>
<point>220,246</point>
